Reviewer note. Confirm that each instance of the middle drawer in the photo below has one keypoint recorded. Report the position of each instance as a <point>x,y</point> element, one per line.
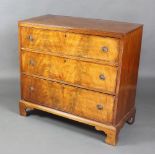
<point>79,73</point>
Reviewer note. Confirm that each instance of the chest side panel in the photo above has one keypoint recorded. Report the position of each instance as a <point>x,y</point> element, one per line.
<point>129,74</point>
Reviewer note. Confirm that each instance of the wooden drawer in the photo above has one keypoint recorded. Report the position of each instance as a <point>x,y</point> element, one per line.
<point>84,103</point>
<point>79,73</point>
<point>78,45</point>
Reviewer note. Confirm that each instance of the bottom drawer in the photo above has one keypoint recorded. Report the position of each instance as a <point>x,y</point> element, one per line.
<point>84,103</point>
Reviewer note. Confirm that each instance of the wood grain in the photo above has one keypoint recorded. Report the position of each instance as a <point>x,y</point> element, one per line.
<point>81,25</point>
<point>110,131</point>
<point>72,44</point>
<point>72,71</point>
<point>129,73</point>
<point>61,60</point>
<point>69,99</point>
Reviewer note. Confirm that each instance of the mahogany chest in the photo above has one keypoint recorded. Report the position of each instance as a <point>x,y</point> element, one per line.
<point>82,69</point>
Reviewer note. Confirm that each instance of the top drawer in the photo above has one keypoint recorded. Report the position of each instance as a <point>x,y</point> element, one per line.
<point>72,44</point>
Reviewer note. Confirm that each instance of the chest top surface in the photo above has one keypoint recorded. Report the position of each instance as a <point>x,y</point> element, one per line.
<point>81,25</point>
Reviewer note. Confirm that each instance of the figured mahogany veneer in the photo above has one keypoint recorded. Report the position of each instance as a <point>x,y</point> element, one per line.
<point>69,99</point>
<point>64,43</point>
<point>79,73</point>
<point>81,69</point>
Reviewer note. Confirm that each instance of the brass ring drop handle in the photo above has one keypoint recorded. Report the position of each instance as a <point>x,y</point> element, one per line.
<point>99,106</point>
<point>32,62</point>
<point>30,38</point>
<point>102,77</point>
<point>31,88</point>
<point>104,49</point>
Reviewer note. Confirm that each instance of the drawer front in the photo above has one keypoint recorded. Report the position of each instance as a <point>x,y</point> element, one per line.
<point>78,45</point>
<point>85,74</point>
<point>80,102</point>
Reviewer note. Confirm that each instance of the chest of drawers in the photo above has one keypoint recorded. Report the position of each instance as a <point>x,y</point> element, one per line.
<point>82,69</point>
